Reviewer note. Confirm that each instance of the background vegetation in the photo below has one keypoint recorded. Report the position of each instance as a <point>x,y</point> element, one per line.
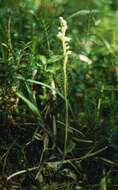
<point>50,139</point>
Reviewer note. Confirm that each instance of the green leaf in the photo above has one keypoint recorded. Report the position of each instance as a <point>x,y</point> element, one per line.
<point>84,12</point>
<point>42,84</point>
<point>31,106</point>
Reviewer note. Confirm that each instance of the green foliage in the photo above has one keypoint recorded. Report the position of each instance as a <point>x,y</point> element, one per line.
<point>58,113</point>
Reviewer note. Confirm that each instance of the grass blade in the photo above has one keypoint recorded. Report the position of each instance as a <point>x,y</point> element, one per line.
<point>31,106</point>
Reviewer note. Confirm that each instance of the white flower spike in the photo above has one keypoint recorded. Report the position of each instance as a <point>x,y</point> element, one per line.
<point>62,36</point>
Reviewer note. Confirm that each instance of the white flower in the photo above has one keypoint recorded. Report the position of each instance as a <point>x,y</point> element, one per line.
<point>67,39</point>
<point>63,24</point>
<point>69,52</point>
<point>62,36</point>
